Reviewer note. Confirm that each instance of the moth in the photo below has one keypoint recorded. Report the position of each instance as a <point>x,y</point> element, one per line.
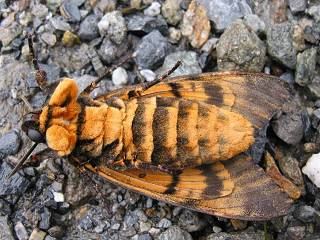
<point>183,140</point>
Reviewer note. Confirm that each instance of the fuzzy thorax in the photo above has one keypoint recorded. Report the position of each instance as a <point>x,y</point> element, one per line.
<point>65,121</point>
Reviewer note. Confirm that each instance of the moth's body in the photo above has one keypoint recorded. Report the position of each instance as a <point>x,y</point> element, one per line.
<point>199,125</point>
<point>146,131</point>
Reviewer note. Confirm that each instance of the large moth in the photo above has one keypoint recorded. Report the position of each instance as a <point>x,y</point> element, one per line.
<point>182,141</point>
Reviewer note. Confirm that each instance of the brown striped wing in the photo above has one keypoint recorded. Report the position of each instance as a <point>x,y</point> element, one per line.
<point>256,96</point>
<point>254,195</point>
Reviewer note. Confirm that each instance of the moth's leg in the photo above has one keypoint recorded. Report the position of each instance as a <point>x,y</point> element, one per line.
<point>144,86</point>
<point>41,75</point>
<point>94,84</point>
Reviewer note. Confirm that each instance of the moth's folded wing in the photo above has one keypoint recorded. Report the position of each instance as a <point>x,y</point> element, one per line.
<point>256,96</point>
<point>211,182</point>
<point>254,196</point>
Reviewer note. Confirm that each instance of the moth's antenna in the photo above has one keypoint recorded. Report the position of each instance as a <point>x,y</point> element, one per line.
<point>94,84</point>
<point>41,75</point>
<point>24,158</point>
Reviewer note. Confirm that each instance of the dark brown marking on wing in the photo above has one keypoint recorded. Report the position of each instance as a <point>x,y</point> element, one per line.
<point>214,183</point>
<point>175,87</point>
<point>81,119</point>
<point>214,93</point>
<point>171,188</point>
<point>165,102</point>
<point>49,115</point>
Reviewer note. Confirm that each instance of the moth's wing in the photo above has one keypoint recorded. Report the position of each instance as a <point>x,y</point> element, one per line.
<point>256,96</point>
<point>254,195</point>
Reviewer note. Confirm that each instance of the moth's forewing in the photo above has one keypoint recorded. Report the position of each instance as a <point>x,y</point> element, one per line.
<point>254,196</point>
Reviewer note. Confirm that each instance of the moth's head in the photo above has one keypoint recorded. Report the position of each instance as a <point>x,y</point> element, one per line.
<point>31,127</point>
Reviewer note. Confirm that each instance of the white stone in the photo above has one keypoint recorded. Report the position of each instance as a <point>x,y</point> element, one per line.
<point>58,197</point>
<point>148,74</point>
<point>119,76</point>
<point>153,10</point>
<point>312,169</point>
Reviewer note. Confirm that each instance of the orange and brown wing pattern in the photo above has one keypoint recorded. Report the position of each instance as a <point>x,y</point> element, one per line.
<point>235,189</point>
<point>256,96</point>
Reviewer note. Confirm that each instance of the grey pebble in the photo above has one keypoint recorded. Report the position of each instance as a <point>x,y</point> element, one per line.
<point>245,235</point>
<point>240,49</point>
<point>109,51</point>
<point>314,11</point>
<point>306,66</point>
<point>305,213</point>
<point>255,23</point>
<point>70,11</point>
<point>151,50</point>
<point>145,236</point>
<point>86,223</point>
<point>21,231</point>
<point>89,28</point>
<point>149,76</point>
<point>60,24</point>
<point>5,229</point>
<point>189,65</point>
<point>297,6</point>
<point>314,86</point>
<point>295,232</point>
<point>171,11</point>
<point>9,143</point>
<point>153,10</point>
<point>290,127</point>
<point>16,185</point>
<point>7,35</point>
<point>113,25</point>
<point>289,166</point>
<point>175,233</point>
<point>164,223</point>
<point>49,38</point>
<point>56,232</point>
<point>45,219</point>
<point>223,13</point>
<point>280,44</point>
<point>115,226</point>
<point>190,221</point>
<point>146,24</point>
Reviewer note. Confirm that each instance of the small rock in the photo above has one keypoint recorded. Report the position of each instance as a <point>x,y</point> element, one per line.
<point>86,223</point>
<point>172,12</point>
<point>164,223</point>
<point>240,49</point>
<point>69,39</point>
<point>216,229</point>
<point>9,143</point>
<point>120,76</point>
<point>145,236</point>
<point>15,185</point>
<point>58,197</point>
<point>255,23</point>
<point>224,13</point>
<point>314,11</point>
<point>149,76</point>
<point>49,38</point>
<point>310,147</point>
<point>312,169</point>
<point>45,219</point>
<point>190,221</point>
<point>113,25</point>
<point>296,232</point>
<point>56,232</point>
<point>195,25</point>
<point>146,24</point>
<point>84,81</point>
<point>99,228</point>
<point>290,127</point>
<point>8,34</point>
<point>189,64</point>
<point>306,66</point>
<point>280,44</point>
<point>37,234</point>
<point>175,233</point>
<point>5,229</point>
<point>89,28</point>
<point>288,77</point>
<point>290,168</point>
<point>70,11</point>
<point>115,226</point>
<point>60,24</point>
<point>40,11</point>
<point>153,10</point>
<point>305,213</point>
<point>314,86</point>
<point>21,231</point>
<point>145,226</point>
<point>135,3</point>
<point>107,5</point>
<point>245,235</point>
<point>151,50</point>
<point>297,6</point>
<point>174,35</point>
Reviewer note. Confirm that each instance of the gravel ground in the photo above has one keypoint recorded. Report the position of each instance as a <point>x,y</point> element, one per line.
<point>81,38</point>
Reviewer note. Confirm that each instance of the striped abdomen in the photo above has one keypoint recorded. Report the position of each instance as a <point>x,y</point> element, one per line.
<point>181,133</point>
